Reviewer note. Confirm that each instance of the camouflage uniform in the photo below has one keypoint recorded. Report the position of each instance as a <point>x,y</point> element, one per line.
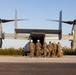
<point>54,49</point>
<point>38,47</point>
<point>45,49</point>
<point>59,53</point>
<point>50,48</point>
<point>31,48</point>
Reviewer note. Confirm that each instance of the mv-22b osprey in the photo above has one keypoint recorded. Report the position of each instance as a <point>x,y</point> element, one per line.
<point>35,34</point>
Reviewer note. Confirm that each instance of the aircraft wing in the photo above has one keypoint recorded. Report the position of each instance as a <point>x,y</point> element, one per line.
<point>46,31</point>
<point>29,31</point>
<point>26,37</point>
<point>19,36</point>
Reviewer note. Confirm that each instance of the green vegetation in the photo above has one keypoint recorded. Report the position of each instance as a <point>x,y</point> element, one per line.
<point>68,51</point>
<point>12,51</point>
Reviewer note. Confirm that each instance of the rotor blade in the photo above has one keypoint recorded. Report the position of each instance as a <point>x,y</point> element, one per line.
<point>68,22</point>
<point>4,20</point>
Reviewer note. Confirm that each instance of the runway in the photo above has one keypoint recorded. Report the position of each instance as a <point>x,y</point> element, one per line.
<point>37,69</point>
<point>18,65</point>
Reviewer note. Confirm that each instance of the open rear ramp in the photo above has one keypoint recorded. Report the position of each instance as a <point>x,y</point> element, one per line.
<point>36,36</point>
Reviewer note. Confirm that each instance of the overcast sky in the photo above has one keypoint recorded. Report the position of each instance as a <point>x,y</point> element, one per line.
<point>37,11</point>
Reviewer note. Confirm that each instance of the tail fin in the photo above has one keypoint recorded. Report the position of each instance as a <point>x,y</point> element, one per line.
<point>15,34</point>
<point>60,25</point>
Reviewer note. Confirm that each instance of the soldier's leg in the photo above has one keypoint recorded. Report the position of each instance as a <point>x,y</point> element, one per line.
<point>59,53</point>
<point>49,53</point>
<point>40,53</point>
<point>53,53</point>
<point>37,53</point>
<point>30,53</point>
<point>45,53</point>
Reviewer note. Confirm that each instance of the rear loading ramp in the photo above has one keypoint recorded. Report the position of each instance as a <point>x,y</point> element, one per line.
<point>37,36</point>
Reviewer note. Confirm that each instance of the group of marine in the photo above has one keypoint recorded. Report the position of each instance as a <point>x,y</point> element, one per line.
<point>45,50</point>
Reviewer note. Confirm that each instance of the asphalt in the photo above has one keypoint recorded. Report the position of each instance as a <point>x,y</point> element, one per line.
<point>19,65</point>
<point>25,59</point>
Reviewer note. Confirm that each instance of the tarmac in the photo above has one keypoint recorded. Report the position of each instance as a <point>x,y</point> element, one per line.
<point>24,65</point>
<point>25,59</point>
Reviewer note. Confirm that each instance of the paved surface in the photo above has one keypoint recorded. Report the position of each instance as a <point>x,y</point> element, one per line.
<point>18,65</point>
<point>24,59</point>
<point>37,69</point>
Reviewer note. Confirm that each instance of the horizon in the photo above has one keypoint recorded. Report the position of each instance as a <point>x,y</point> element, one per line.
<point>37,11</point>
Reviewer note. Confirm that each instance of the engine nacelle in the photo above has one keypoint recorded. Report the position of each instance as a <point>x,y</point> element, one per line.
<point>2,36</point>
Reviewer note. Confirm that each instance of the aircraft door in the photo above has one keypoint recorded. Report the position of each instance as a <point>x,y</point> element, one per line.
<point>35,37</point>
